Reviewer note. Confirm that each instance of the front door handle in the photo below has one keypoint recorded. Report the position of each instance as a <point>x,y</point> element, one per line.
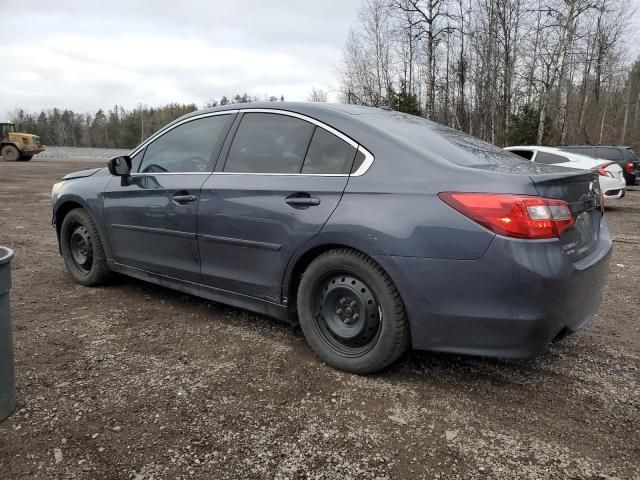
<point>184,197</point>
<point>302,200</point>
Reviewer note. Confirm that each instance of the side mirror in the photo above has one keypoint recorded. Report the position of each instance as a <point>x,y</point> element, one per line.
<point>120,166</point>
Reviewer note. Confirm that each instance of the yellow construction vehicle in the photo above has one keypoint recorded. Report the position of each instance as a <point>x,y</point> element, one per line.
<point>18,146</point>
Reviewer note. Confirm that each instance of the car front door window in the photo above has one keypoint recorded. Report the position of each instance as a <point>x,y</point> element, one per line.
<point>187,147</point>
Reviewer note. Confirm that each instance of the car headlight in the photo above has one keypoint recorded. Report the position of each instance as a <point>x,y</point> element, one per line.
<point>56,188</point>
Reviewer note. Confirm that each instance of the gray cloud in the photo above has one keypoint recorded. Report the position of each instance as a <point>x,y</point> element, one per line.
<point>81,55</point>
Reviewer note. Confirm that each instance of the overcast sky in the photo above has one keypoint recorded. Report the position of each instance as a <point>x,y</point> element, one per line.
<point>89,54</point>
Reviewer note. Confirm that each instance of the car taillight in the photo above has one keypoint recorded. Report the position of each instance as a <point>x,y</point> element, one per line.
<point>519,216</point>
<point>603,172</point>
<point>629,167</point>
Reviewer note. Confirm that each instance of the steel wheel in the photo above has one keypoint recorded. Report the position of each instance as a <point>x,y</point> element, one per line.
<point>81,249</point>
<point>347,314</point>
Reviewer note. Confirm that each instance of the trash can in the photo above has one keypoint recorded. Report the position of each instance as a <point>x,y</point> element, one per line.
<point>7,372</point>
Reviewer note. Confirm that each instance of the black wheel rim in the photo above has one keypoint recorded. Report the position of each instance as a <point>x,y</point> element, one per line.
<point>347,314</point>
<point>81,249</point>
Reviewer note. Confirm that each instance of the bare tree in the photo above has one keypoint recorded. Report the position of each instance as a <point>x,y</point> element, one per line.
<point>538,71</point>
<point>317,95</point>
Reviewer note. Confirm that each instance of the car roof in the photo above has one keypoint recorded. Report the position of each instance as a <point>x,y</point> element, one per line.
<point>591,146</point>
<point>384,130</point>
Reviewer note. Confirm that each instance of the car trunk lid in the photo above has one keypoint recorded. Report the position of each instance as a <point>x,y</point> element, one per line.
<point>581,191</point>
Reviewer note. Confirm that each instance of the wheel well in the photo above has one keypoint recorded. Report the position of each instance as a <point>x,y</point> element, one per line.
<point>62,211</point>
<point>299,268</point>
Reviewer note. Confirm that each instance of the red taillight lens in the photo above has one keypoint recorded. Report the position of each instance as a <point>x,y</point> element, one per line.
<point>603,172</point>
<point>629,167</point>
<point>518,216</point>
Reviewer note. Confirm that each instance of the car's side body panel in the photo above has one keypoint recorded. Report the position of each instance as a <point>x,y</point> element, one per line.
<point>247,232</point>
<point>148,229</point>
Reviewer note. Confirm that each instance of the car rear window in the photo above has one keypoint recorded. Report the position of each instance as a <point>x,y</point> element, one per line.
<point>550,158</point>
<point>436,140</point>
<point>631,155</point>
<point>528,154</point>
<point>269,143</point>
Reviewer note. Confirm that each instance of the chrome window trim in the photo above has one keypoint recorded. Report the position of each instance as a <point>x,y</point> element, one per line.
<point>366,164</point>
<point>159,134</point>
<point>368,160</point>
<point>300,116</point>
<point>284,174</point>
<point>147,174</point>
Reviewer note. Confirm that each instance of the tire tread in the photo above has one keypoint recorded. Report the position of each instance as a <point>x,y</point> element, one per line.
<point>397,339</point>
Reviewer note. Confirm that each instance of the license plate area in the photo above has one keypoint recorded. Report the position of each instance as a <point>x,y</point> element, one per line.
<point>583,228</point>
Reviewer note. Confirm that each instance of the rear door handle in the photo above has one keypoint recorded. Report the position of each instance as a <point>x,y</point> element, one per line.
<point>184,197</point>
<point>302,200</point>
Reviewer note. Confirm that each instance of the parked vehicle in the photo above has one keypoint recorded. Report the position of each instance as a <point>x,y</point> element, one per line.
<point>18,146</point>
<point>611,178</point>
<point>623,156</point>
<point>374,230</point>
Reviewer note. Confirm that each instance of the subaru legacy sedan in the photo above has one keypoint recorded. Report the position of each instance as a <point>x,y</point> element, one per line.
<point>373,230</point>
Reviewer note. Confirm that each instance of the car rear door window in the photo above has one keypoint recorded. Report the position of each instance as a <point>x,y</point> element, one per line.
<point>550,158</point>
<point>328,154</point>
<point>269,143</point>
<point>526,154</point>
<point>187,147</point>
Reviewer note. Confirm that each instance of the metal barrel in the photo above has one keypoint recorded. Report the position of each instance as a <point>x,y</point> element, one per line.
<point>7,372</point>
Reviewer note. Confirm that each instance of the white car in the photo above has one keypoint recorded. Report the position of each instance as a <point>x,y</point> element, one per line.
<point>612,182</point>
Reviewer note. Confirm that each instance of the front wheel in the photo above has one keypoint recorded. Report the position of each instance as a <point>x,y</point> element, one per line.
<point>10,153</point>
<point>351,312</point>
<point>82,249</point>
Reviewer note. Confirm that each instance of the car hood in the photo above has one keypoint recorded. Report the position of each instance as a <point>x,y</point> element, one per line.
<point>82,173</point>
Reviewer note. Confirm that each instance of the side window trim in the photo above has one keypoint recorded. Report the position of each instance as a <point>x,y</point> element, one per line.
<point>216,153</point>
<point>535,154</point>
<point>222,160</point>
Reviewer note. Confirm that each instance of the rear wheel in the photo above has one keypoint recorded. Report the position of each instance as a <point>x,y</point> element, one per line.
<point>10,153</point>
<point>351,312</point>
<point>82,249</point>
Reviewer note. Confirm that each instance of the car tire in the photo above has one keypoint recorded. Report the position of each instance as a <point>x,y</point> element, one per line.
<point>351,313</point>
<point>82,249</point>
<point>10,153</point>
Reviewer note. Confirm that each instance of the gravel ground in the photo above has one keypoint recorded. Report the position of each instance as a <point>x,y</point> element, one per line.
<point>135,381</point>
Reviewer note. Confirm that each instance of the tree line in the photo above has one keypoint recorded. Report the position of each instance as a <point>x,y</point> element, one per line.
<point>115,128</point>
<point>507,71</point>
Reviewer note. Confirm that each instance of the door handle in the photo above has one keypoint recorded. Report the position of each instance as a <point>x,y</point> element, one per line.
<point>302,200</point>
<point>183,197</point>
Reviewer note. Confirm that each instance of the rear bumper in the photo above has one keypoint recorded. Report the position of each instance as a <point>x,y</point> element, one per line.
<point>511,302</point>
<point>631,178</point>
<point>612,188</point>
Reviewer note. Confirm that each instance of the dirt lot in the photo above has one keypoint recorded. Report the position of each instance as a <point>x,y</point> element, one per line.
<point>137,381</point>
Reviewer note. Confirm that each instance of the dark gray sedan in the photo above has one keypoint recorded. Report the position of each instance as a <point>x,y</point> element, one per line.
<point>374,230</point>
